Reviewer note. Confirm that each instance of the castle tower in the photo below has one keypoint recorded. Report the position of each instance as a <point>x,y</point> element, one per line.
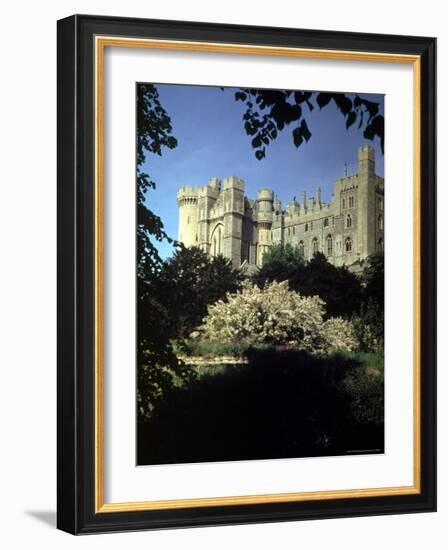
<point>365,208</point>
<point>265,215</point>
<point>187,201</point>
<point>233,196</point>
<point>207,197</point>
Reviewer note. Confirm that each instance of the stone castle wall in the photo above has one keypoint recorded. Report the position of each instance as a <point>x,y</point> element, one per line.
<point>220,219</point>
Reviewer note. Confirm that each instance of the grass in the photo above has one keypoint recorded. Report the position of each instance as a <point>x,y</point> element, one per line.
<point>200,348</point>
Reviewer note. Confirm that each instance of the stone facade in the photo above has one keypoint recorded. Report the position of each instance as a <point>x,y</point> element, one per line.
<point>220,219</point>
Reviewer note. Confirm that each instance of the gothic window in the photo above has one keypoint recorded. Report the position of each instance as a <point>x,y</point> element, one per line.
<point>315,245</point>
<point>289,231</point>
<point>294,230</point>
<point>332,220</point>
<point>343,203</point>
<point>217,240</point>
<point>311,226</point>
<point>348,221</point>
<point>380,222</point>
<point>351,202</point>
<point>380,245</point>
<point>301,249</point>
<point>329,245</point>
<point>326,222</point>
<point>348,244</point>
<point>306,227</point>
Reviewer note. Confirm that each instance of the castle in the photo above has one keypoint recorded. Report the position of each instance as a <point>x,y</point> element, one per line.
<point>220,219</point>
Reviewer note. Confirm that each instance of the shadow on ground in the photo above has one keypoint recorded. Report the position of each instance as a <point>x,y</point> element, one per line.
<point>48,517</point>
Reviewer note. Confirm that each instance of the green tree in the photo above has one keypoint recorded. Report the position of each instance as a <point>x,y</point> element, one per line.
<point>338,287</point>
<point>369,323</point>
<point>157,366</point>
<point>154,133</point>
<point>373,279</point>
<point>269,112</point>
<point>281,263</point>
<point>188,282</point>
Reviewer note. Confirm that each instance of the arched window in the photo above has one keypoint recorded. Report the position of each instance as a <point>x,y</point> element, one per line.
<point>348,244</point>
<point>380,222</point>
<point>294,230</point>
<point>325,222</point>
<point>351,202</point>
<point>301,249</point>
<point>343,203</point>
<point>311,226</point>
<point>289,231</point>
<point>315,245</point>
<point>329,245</point>
<point>348,221</point>
<point>217,240</point>
<point>306,227</point>
<point>380,245</point>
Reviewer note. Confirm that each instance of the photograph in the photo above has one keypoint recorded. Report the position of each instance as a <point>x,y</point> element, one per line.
<point>260,240</point>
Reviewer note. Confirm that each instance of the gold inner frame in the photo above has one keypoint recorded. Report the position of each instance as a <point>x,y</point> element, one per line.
<point>101,42</point>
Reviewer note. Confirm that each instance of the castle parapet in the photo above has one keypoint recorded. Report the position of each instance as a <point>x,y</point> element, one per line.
<point>232,182</point>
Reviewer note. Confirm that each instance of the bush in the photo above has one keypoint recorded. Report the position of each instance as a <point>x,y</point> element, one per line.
<point>340,334</point>
<point>275,315</point>
<point>369,326</point>
<point>340,289</point>
<point>364,387</point>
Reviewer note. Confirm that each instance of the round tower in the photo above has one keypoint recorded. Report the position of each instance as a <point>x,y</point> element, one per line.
<point>187,201</point>
<point>265,199</point>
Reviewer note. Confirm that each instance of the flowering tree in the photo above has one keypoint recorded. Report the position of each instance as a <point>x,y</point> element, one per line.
<point>275,315</point>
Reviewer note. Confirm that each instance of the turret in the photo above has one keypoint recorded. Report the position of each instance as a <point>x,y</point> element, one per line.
<point>265,199</point>
<point>187,201</point>
<point>366,161</point>
<point>304,200</point>
<point>215,183</point>
<point>366,216</point>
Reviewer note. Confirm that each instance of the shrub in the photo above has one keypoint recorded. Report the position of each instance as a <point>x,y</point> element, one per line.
<point>339,334</point>
<point>275,315</point>
<point>369,327</point>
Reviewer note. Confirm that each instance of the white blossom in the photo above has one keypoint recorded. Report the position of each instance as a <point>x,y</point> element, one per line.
<point>278,316</point>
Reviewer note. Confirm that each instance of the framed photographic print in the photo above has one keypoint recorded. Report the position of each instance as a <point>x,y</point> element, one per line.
<point>246,270</point>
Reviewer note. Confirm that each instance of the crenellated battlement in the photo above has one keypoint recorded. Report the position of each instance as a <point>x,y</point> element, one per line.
<point>247,227</point>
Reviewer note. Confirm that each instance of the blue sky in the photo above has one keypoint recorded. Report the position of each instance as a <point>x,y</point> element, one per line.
<point>207,123</point>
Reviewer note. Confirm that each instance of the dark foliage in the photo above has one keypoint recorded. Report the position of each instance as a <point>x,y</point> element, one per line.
<point>269,112</point>
<point>339,288</point>
<point>158,368</point>
<point>369,323</point>
<point>154,132</point>
<point>186,284</point>
<point>373,278</point>
<point>282,404</point>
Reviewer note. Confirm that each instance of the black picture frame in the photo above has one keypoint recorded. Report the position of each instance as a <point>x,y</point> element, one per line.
<point>76,511</point>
